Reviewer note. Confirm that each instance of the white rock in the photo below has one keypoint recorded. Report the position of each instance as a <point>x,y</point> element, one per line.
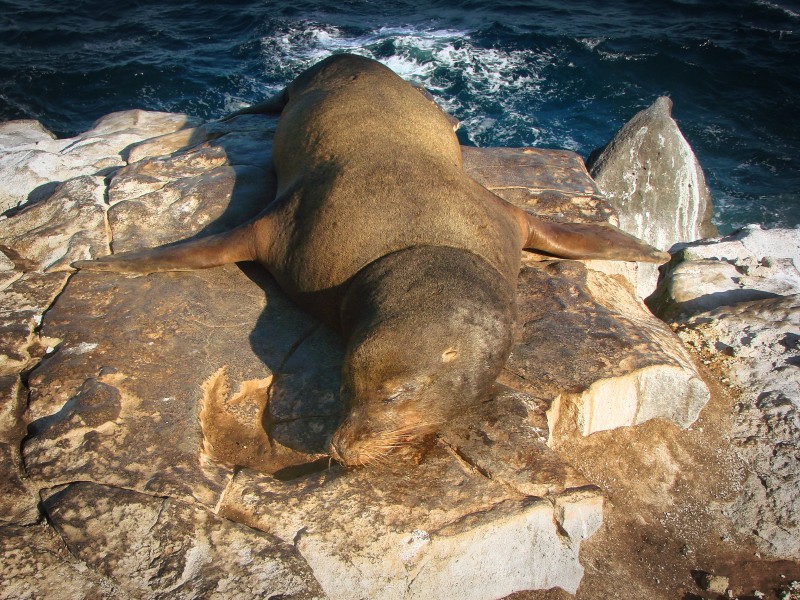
<point>750,242</point>
<point>758,344</point>
<point>750,264</point>
<point>33,162</point>
<point>69,225</point>
<point>653,179</point>
<point>479,541</point>
<point>22,133</point>
<point>737,298</point>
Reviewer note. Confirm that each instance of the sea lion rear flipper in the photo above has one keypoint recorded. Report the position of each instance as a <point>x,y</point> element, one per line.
<point>588,240</point>
<point>233,246</point>
<point>271,106</point>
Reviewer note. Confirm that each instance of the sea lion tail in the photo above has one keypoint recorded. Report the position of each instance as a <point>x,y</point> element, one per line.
<point>232,246</point>
<point>588,240</point>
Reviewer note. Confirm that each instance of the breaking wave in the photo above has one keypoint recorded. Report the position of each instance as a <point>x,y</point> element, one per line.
<point>539,73</point>
<point>486,88</point>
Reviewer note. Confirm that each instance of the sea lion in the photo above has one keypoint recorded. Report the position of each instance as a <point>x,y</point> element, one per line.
<point>376,229</point>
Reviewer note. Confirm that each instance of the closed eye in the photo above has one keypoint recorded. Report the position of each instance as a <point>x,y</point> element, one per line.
<point>399,393</point>
<point>393,397</point>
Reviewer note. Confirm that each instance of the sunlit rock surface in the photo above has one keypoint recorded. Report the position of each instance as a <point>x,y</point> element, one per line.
<point>651,176</point>
<point>194,396</point>
<point>160,547</point>
<point>749,264</point>
<point>737,300</point>
<point>33,162</point>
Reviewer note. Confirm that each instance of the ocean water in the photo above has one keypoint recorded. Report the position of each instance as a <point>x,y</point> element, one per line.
<point>547,73</point>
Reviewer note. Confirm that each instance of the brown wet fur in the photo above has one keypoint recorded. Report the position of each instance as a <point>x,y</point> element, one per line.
<point>369,174</point>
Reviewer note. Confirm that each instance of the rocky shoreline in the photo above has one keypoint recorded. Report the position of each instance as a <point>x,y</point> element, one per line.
<point>163,436</point>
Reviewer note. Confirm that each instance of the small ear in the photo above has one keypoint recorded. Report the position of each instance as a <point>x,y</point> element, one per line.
<point>449,355</point>
<point>589,240</point>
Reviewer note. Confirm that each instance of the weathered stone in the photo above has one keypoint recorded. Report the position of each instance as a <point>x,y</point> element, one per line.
<point>33,162</point>
<point>118,402</point>
<point>22,304</point>
<point>36,564</point>
<point>207,189</point>
<point>624,365</point>
<point>70,225</point>
<point>162,548</point>
<point>17,503</point>
<point>757,344</point>
<point>507,440</point>
<point>752,241</point>
<point>168,143</point>
<point>692,287</point>
<point>22,132</point>
<point>6,265</point>
<point>716,584</point>
<point>652,178</point>
<point>490,509</point>
<point>13,400</point>
<point>737,301</point>
<point>749,264</point>
<point>441,526</point>
<point>553,184</point>
<point>259,127</point>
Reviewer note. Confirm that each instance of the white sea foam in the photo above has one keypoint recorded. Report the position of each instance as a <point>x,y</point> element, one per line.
<point>467,78</point>
<point>775,6</point>
<point>591,43</point>
<point>608,55</point>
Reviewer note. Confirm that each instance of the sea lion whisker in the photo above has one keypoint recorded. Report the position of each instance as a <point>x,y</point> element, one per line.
<point>411,429</point>
<point>377,459</point>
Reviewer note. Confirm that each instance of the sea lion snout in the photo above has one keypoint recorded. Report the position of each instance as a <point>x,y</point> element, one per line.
<point>372,438</point>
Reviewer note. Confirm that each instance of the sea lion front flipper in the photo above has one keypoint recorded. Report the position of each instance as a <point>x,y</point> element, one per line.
<point>588,240</point>
<point>232,246</point>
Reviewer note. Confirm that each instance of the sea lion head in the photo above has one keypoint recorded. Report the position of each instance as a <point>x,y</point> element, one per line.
<point>428,330</point>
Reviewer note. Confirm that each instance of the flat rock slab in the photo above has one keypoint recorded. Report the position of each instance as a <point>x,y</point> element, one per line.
<point>214,393</point>
<point>553,184</point>
<point>37,564</point>
<point>70,225</point>
<point>222,179</point>
<point>118,403</point>
<point>440,530</point>
<point>595,355</point>
<point>33,162</point>
<point>163,548</point>
<point>22,303</point>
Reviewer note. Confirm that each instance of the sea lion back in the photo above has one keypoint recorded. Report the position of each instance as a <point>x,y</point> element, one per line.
<point>368,166</point>
<point>349,108</point>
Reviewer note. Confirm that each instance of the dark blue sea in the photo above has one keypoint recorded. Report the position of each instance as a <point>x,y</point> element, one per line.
<point>548,73</point>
